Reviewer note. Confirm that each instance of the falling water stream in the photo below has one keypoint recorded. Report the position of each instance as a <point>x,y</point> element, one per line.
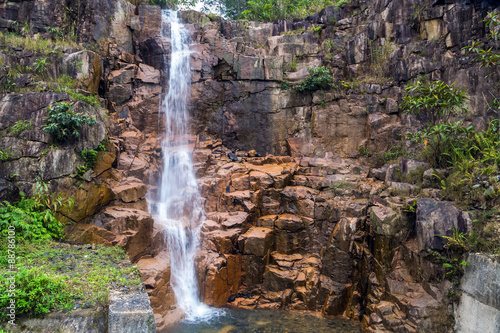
<point>178,206</point>
<point>178,209</point>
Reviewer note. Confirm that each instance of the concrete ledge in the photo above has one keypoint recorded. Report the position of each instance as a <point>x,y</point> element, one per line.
<point>130,313</point>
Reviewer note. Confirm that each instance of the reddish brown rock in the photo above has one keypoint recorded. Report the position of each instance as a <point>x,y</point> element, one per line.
<point>148,74</point>
<point>224,281</point>
<point>256,241</point>
<point>132,191</point>
<point>89,234</point>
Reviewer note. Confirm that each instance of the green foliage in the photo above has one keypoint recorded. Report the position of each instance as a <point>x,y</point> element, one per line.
<point>63,123</point>
<point>20,126</point>
<point>54,31</point>
<point>40,65</point>
<point>380,57</point>
<point>273,10</point>
<point>435,101</point>
<point>475,164</point>
<point>92,100</point>
<point>395,152</point>
<point>364,151</point>
<point>315,28</point>
<point>319,78</point>
<point>37,44</point>
<point>33,217</point>
<point>293,65</point>
<point>89,156</point>
<point>487,57</point>
<point>330,45</point>
<point>36,293</point>
<point>56,276</point>
<point>5,154</point>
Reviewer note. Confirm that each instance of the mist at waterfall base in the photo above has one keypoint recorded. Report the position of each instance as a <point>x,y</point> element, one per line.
<point>177,207</point>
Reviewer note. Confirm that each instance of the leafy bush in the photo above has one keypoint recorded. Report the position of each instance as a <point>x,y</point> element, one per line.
<point>63,123</point>
<point>36,293</point>
<point>319,78</point>
<point>487,57</point>
<point>435,101</point>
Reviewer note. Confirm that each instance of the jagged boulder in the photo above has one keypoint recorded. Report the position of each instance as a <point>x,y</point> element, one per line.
<point>438,218</point>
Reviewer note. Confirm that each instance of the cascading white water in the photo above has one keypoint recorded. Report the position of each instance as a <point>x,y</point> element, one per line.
<point>178,206</point>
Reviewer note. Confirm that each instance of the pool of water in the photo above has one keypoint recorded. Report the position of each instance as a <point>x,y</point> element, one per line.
<point>265,321</point>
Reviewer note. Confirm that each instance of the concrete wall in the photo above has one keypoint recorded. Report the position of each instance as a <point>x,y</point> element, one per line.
<point>479,308</point>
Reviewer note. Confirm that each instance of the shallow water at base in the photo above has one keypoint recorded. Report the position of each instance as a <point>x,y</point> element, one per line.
<point>265,321</point>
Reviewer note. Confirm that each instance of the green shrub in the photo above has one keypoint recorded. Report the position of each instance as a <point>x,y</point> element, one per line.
<point>34,217</point>
<point>319,78</point>
<point>434,101</point>
<point>20,126</point>
<point>40,65</point>
<point>487,57</point>
<point>63,123</point>
<point>36,293</point>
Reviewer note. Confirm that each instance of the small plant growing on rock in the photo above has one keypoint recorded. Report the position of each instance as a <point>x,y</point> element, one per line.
<point>89,156</point>
<point>64,123</point>
<point>319,78</point>
<point>92,100</point>
<point>54,31</point>
<point>5,154</point>
<point>20,126</point>
<point>34,217</point>
<point>40,65</point>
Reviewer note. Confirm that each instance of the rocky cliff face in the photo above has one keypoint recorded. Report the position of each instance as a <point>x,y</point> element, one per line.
<point>309,229</point>
<point>241,70</point>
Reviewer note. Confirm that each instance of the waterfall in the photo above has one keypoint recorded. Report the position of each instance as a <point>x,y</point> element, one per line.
<point>178,206</point>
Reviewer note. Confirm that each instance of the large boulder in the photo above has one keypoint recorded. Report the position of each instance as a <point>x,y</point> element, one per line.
<point>436,219</point>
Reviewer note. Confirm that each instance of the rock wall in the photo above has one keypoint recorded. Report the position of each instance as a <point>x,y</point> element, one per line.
<point>243,73</point>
